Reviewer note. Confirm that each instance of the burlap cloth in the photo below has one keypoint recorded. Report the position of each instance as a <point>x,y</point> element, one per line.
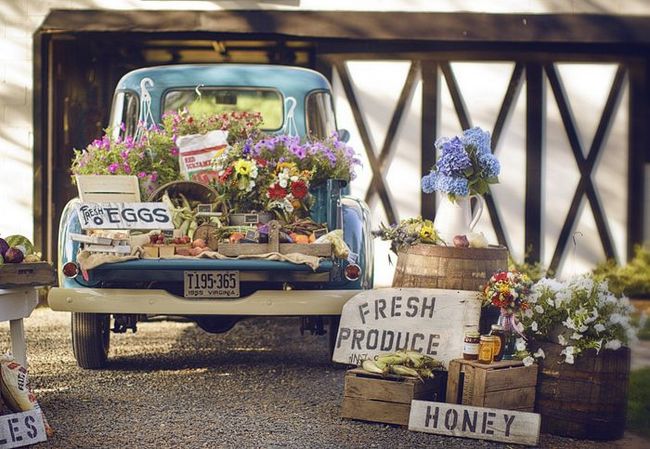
<point>88,261</point>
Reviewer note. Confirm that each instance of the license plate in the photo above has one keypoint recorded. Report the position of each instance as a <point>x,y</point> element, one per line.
<point>211,284</point>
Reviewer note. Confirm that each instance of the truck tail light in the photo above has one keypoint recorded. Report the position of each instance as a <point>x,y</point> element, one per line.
<point>70,270</point>
<point>352,272</point>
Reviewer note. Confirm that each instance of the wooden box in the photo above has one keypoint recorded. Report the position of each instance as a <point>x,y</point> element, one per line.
<point>151,251</point>
<point>371,397</point>
<point>26,274</point>
<point>504,385</point>
<point>274,246</point>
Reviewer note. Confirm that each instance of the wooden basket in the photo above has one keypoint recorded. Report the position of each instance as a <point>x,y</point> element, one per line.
<point>447,267</point>
<point>192,191</point>
<point>26,274</point>
<point>586,400</point>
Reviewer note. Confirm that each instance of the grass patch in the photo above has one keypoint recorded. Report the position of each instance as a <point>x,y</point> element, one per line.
<point>638,405</point>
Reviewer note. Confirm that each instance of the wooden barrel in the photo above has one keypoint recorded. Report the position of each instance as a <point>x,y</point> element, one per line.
<point>433,266</point>
<point>586,400</point>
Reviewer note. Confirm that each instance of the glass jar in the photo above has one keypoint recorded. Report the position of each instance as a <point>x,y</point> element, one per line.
<point>486,349</point>
<point>471,345</point>
<point>509,336</point>
<point>497,331</point>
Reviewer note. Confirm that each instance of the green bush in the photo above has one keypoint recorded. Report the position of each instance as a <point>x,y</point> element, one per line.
<point>638,405</point>
<point>632,279</point>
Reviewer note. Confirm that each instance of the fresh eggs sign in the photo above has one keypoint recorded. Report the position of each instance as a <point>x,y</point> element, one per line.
<point>430,321</point>
<point>124,216</point>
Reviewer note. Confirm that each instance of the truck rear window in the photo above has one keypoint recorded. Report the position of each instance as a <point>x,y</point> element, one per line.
<point>218,100</point>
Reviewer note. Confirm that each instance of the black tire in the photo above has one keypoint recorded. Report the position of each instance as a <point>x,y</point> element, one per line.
<point>333,331</point>
<point>91,339</point>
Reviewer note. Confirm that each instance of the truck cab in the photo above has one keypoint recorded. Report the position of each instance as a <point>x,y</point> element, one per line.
<point>114,297</point>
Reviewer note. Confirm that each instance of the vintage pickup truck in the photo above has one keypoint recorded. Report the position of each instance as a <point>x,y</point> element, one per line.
<point>125,293</point>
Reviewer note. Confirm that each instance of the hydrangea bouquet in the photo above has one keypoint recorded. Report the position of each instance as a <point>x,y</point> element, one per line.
<point>579,314</point>
<point>465,166</point>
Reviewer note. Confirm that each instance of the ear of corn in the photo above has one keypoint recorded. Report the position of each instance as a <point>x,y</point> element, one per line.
<point>403,363</point>
<point>371,367</point>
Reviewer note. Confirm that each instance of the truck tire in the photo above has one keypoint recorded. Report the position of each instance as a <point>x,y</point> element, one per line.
<point>90,339</point>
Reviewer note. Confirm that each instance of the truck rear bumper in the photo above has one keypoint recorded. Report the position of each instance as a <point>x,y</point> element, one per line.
<point>160,302</point>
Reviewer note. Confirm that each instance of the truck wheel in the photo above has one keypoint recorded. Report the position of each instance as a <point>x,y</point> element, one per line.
<point>333,332</point>
<point>90,339</point>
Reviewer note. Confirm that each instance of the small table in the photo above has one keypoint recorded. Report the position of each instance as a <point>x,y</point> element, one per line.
<point>16,304</point>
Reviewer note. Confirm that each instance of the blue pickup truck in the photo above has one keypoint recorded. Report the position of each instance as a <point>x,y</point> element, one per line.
<point>115,297</point>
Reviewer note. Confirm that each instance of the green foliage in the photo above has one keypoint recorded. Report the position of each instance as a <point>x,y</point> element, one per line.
<point>638,405</point>
<point>632,279</point>
<point>410,231</point>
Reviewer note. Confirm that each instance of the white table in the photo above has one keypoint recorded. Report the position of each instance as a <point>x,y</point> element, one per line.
<point>16,304</point>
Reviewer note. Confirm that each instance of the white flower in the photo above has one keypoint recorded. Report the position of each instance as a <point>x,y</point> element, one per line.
<point>576,336</point>
<point>521,344</point>
<point>539,309</point>
<point>569,323</point>
<point>569,350</point>
<point>528,361</point>
<point>533,326</point>
<point>539,353</point>
<point>599,327</point>
<point>528,313</point>
<point>583,328</point>
<point>613,344</point>
<point>550,302</point>
<point>569,359</point>
<point>561,340</point>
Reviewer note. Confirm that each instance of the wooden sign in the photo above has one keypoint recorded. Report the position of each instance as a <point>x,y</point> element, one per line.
<point>430,321</point>
<point>21,429</point>
<point>493,424</point>
<point>124,216</point>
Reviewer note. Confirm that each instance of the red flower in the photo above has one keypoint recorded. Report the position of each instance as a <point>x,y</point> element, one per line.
<point>299,189</point>
<point>261,162</point>
<point>223,177</point>
<point>501,276</point>
<point>276,192</point>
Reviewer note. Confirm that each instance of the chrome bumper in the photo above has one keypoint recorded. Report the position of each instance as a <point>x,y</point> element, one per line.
<point>160,302</point>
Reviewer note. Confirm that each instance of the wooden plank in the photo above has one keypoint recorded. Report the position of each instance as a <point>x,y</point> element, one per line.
<point>475,422</point>
<point>108,188</point>
<point>21,429</point>
<point>453,380</point>
<point>90,239</point>
<point>378,389</point>
<point>376,411</point>
<point>26,274</point>
<point>429,130</point>
<point>535,135</point>
<point>508,378</point>
<point>478,388</point>
<point>509,399</point>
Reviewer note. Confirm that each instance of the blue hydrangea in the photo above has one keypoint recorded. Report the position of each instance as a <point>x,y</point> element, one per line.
<point>454,159</point>
<point>452,185</point>
<point>478,138</point>
<point>489,164</point>
<point>429,183</point>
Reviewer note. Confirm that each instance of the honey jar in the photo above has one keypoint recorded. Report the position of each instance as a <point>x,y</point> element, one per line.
<point>486,349</point>
<point>471,345</point>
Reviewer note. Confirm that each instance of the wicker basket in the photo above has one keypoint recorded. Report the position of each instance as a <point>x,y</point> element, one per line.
<point>192,191</point>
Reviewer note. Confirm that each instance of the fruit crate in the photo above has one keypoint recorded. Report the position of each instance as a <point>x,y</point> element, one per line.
<point>507,384</point>
<point>274,246</point>
<point>387,399</point>
<point>24,274</point>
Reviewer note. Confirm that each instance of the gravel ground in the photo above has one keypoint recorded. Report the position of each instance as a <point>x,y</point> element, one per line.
<point>262,385</point>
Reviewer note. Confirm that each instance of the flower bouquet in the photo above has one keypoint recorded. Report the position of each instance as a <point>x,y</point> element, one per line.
<point>410,231</point>
<point>508,291</point>
<point>579,314</point>
<point>466,165</point>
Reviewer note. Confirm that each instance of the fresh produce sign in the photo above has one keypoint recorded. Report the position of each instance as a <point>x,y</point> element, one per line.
<point>429,321</point>
<point>124,216</point>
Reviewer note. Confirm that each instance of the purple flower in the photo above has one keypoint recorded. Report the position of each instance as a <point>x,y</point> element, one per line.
<point>154,176</point>
<point>489,164</point>
<point>479,139</point>
<point>174,151</point>
<point>142,175</point>
<point>113,167</point>
<point>429,182</point>
<point>127,168</point>
<point>454,159</point>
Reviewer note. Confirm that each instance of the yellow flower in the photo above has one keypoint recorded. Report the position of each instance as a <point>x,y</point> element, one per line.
<point>243,167</point>
<point>427,233</point>
<point>291,166</point>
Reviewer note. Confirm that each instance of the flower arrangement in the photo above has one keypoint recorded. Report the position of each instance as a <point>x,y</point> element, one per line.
<point>153,158</point>
<point>466,165</point>
<point>329,158</point>
<point>288,195</point>
<point>509,291</point>
<point>240,125</point>
<point>410,231</point>
<point>579,314</point>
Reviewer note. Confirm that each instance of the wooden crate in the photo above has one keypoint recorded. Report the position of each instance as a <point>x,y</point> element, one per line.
<point>505,385</point>
<point>371,397</point>
<point>274,246</point>
<point>26,274</point>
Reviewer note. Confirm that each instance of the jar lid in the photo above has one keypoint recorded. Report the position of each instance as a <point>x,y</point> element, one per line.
<point>497,327</point>
<point>472,334</point>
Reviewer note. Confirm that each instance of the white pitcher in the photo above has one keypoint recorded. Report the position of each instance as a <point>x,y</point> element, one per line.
<point>455,217</point>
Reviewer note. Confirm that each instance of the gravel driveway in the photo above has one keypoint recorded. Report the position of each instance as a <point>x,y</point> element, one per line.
<point>171,385</point>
